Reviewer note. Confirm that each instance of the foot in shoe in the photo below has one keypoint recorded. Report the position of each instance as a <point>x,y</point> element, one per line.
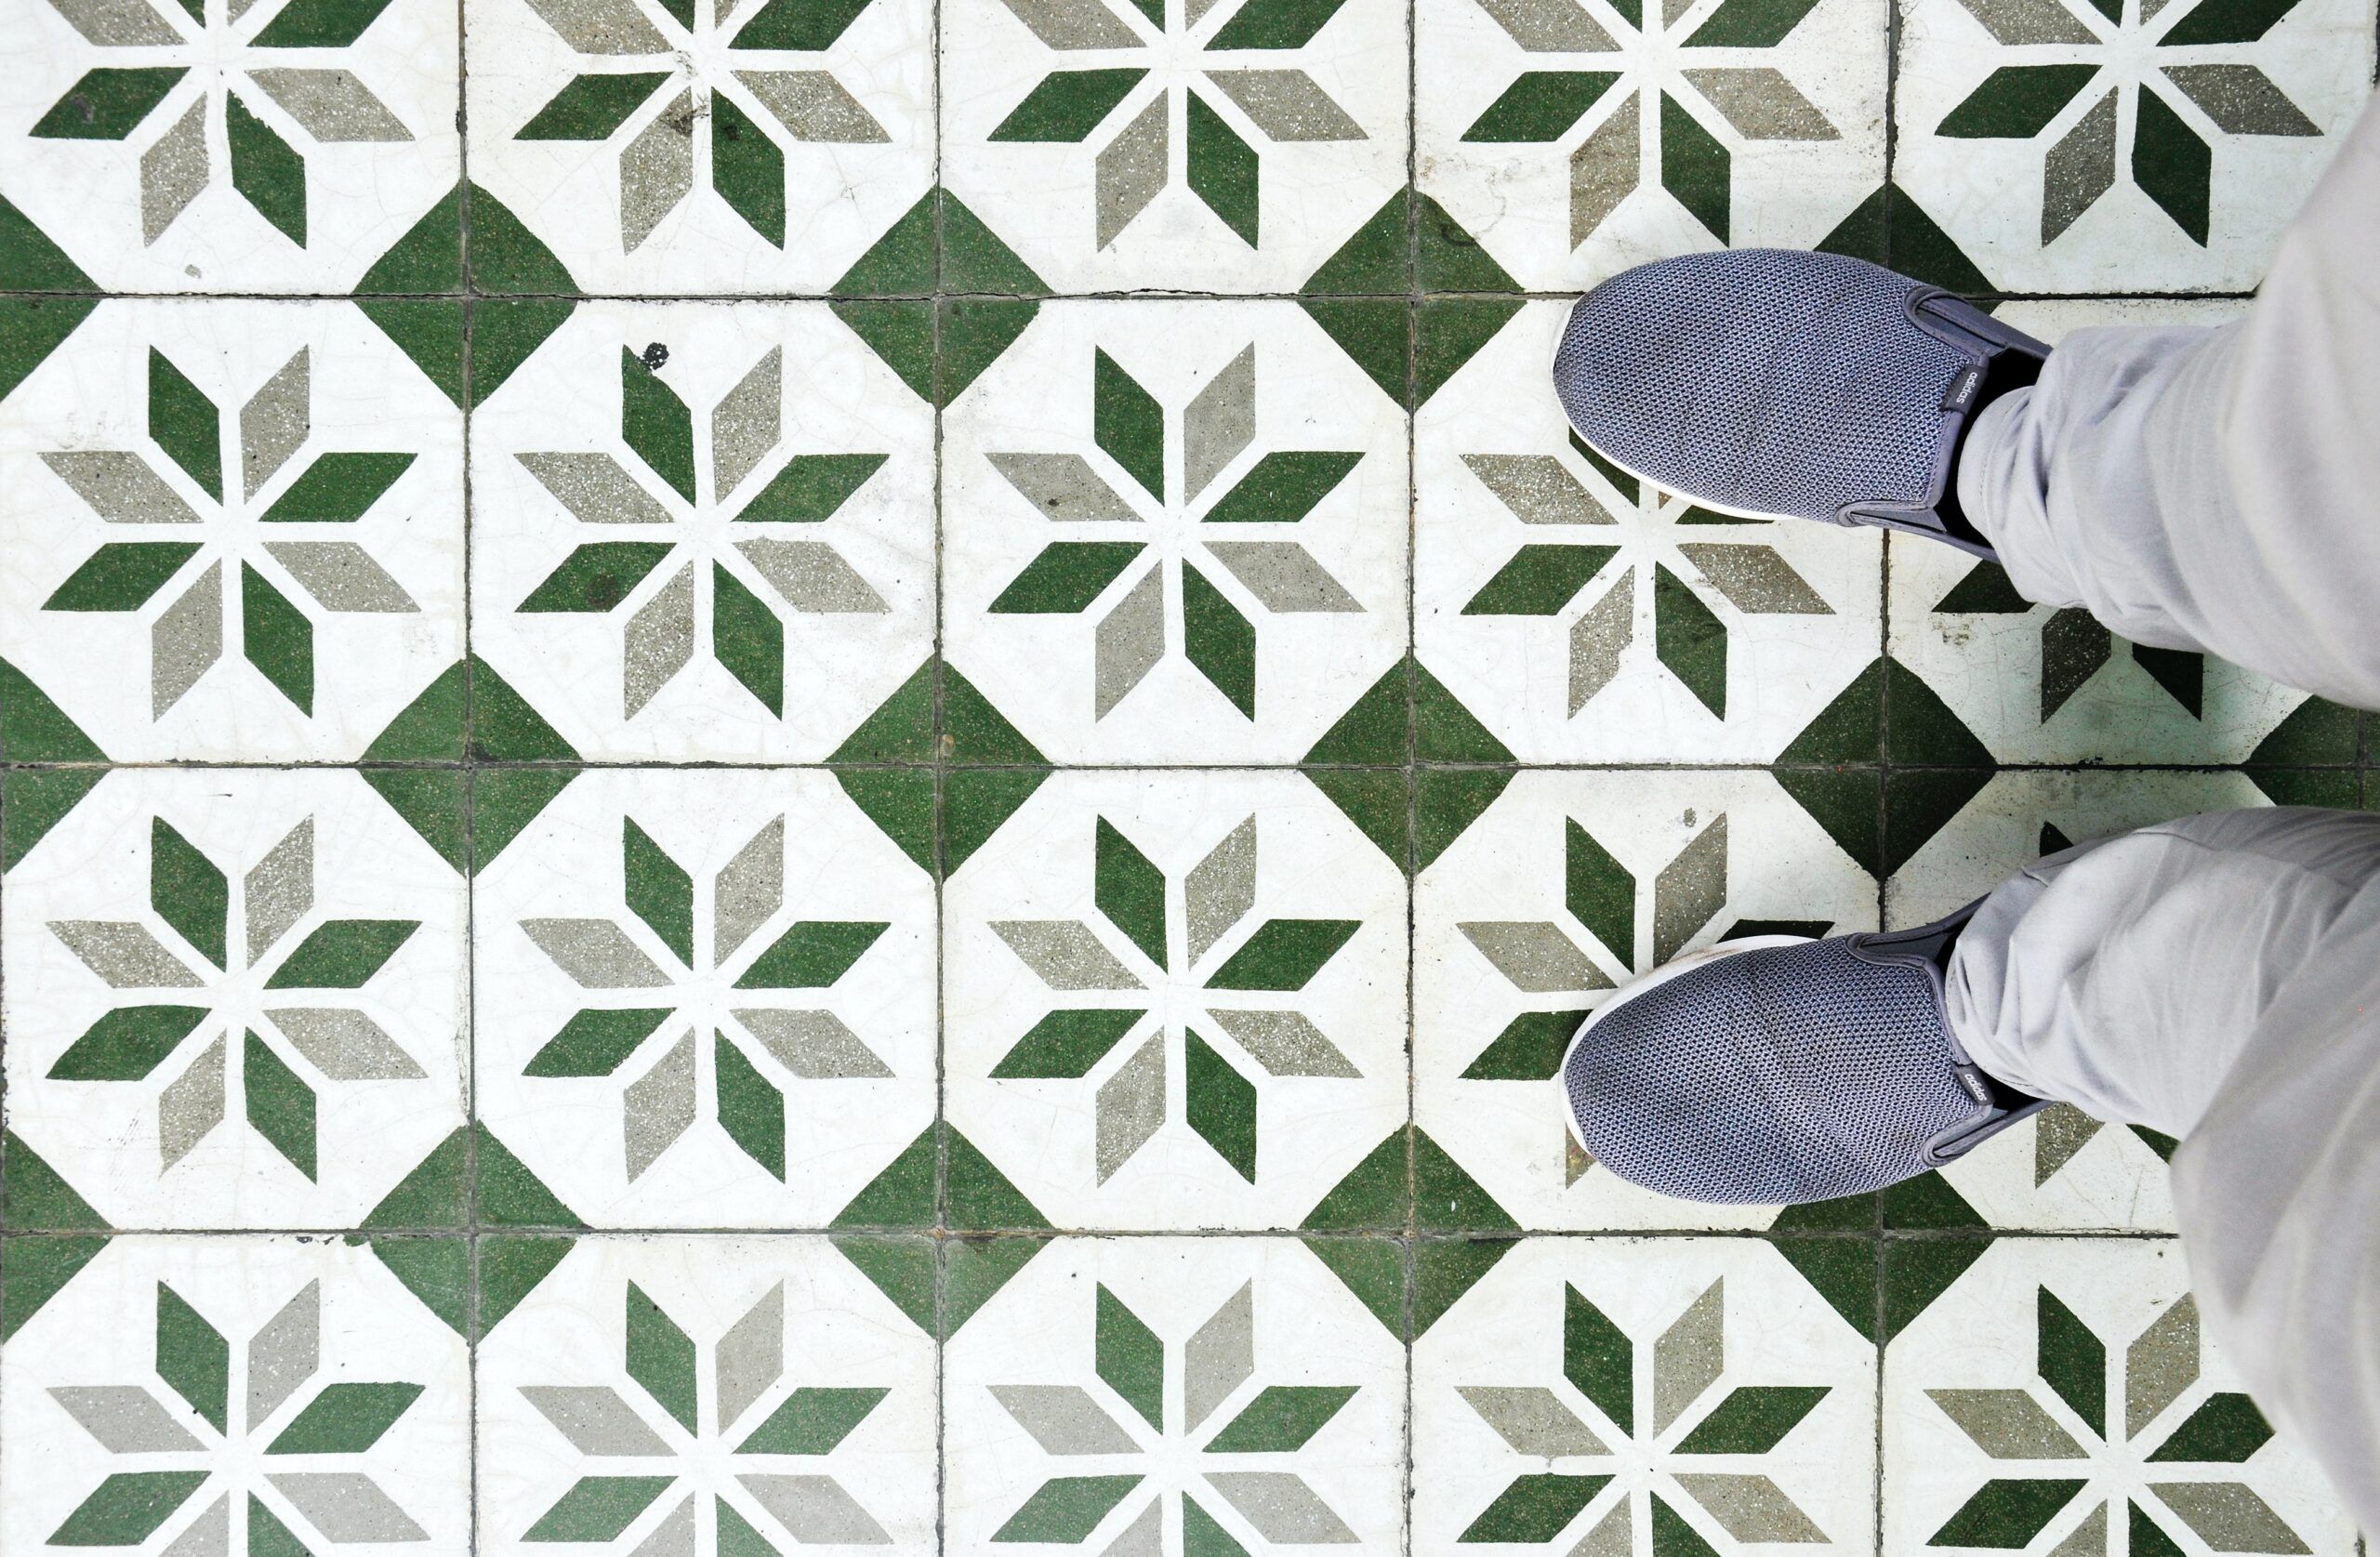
<point>1774,382</point>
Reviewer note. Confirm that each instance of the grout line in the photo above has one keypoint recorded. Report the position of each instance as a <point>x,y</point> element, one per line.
<point>941,1260</point>
<point>473,1330</point>
<point>1403,1234</point>
<point>662,299</point>
<point>478,765</point>
<point>1409,1248</point>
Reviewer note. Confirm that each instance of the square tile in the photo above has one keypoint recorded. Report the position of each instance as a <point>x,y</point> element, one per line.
<point>695,147</point>
<point>2123,148</point>
<point>698,1394</point>
<point>1174,1395</point>
<point>1175,1000</point>
<point>708,998</point>
<point>1577,137</point>
<point>1174,533</point>
<point>1567,886</point>
<point>2018,816</point>
<point>233,531</point>
<point>1591,1393</point>
<point>2033,683</point>
<point>1204,147</point>
<point>2063,1390</point>
<point>1586,616</point>
<point>725,555</point>
<point>221,985</point>
<point>592,890</point>
<point>210,1395</point>
<point>276,147</point>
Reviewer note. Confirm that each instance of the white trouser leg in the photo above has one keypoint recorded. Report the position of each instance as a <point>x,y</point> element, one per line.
<point>2216,489</point>
<point>2218,978</point>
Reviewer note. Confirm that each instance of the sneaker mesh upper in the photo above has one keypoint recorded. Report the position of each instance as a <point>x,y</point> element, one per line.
<point>1767,379</point>
<point>1782,1074</point>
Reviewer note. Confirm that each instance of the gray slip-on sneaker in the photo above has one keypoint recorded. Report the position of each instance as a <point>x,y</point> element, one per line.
<point>1779,1069</point>
<point>1774,382</point>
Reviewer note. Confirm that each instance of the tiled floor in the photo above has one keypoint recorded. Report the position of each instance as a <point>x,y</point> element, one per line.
<point>793,773</point>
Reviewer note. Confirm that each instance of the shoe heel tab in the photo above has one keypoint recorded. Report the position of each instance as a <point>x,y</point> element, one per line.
<point>1955,321</point>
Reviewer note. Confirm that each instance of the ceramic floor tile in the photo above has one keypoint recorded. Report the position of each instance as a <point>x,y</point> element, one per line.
<point>1174,533</point>
<point>274,147</point>
<point>234,529</point>
<point>221,985</point>
<point>699,1394</point>
<point>2061,1396</point>
<point>2034,683</point>
<point>1577,137</point>
<point>705,532</point>
<point>2019,816</point>
<point>1611,1395</point>
<point>1176,1001</point>
<point>787,775</point>
<point>212,1395</point>
<point>1174,1395</point>
<point>1565,887</point>
<point>1587,616</point>
<point>2123,147</point>
<point>706,999</point>
<point>2041,685</point>
<point>1225,148</point>
<point>693,146</point>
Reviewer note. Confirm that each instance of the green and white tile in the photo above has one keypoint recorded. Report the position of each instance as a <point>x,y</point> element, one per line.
<point>1585,616</point>
<point>234,531</point>
<point>1175,1394</point>
<point>1175,1000</point>
<point>2065,1396</point>
<point>2105,146</point>
<point>838,773</point>
<point>1174,533</point>
<point>235,998</point>
<point>206,1396</point>
<point>708,998</point>
<point>1566,887</point>
<point>1197,146</point>
<point>675,147</point>
<point>1577,137</point>
<point>705,532</point>
<point>2021,816</point>
<point>2036,683</point>
<point>1615,1396</point>
<point>674,1395</point>
<point>217,146</point>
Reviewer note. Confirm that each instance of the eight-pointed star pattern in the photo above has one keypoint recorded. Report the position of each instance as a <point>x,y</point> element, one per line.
<point>2045,1438</point>
<point>2135,64</point>
<point>1156,98</point>
<point>1667,78</point>
<point>1174,519</point>
<point>725,969</point>
<point>221,1439</point>
<point>267,987</point>
<point>716,487</point>
<point>248,999</point>
<point>1188,981</point>
<point>1698,1443</point>
<point>751,1471</point>
<point>1664,551</point>
<point>241,526</point>
<point>702,61</point>
<point>1235,1463</point>
<point>232,74</point>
